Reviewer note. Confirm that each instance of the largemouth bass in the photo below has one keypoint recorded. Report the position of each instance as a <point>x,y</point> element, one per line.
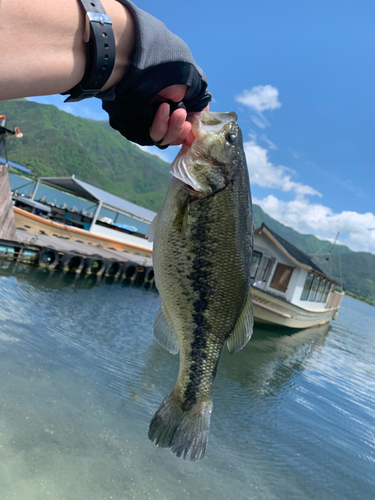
<point>203,239</point>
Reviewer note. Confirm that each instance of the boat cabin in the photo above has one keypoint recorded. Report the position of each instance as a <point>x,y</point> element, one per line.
<point>90,208</point>
<point>279,268</point>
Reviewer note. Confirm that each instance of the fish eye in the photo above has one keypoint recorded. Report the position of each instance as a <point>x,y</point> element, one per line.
<point>231,138</point>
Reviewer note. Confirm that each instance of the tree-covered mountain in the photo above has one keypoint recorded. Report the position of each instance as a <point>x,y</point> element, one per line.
<point>56,143</point>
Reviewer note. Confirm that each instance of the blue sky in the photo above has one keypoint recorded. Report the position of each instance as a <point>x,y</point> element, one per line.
<point>300,75</point>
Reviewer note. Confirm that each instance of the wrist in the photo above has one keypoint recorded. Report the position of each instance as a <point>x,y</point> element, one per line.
<point>124,32</point>
<point>109,40</point>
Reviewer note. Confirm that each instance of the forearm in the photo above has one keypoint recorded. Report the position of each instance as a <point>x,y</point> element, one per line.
<point>42,48</point>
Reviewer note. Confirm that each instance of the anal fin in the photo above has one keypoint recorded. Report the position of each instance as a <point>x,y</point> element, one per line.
<point>243,328</point>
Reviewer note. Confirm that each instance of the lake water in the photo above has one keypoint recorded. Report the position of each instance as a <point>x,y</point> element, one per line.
<point>81,376</point>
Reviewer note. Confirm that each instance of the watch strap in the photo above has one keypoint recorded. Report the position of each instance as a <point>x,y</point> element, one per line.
<point>100,55</point>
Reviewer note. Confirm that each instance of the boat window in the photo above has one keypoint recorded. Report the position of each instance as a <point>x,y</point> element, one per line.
<point>255,261</point>
<point>265,268</point>
<point>326,291</point>
<point>321,288</point>
<point>307,286</point>
<point>122,221</point>
<point>314,288</point>
<point>281,278</point>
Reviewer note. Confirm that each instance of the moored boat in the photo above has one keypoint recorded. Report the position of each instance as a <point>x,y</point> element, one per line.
<point>288,288</point>
<point>124,230</point>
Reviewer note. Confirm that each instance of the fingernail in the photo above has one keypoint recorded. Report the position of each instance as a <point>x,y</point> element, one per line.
<point>165,112</point>
<point>180,121</point>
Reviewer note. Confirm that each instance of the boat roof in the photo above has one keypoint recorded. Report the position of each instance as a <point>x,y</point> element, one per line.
<point>92,193</point>
<point>293,253</point>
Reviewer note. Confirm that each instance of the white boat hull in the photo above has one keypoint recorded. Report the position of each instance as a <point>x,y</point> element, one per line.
<point>117,240</point>
<point>269,309</point>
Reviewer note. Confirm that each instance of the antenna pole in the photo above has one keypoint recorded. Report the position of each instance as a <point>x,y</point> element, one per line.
<point>333,246</point>
<point>330,253</point>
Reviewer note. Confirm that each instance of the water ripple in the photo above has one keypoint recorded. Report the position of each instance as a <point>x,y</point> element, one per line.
<point>81,376</point>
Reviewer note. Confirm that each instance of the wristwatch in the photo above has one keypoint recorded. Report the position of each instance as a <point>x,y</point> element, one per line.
<point>100,55</point>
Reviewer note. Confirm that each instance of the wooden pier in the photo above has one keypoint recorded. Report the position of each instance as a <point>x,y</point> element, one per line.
<point>74,257</point>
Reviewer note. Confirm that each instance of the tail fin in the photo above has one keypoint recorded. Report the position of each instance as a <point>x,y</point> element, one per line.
<point>185,432</point>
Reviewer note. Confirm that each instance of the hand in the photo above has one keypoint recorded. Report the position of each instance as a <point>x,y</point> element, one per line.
<point>162,68</point>
<point>172,129</point>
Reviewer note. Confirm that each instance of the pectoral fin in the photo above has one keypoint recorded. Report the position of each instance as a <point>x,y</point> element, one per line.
<point>163,331</point>
<point>243,329</point>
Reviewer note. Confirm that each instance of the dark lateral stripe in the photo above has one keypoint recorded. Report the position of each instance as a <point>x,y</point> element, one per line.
<point>200,278</point>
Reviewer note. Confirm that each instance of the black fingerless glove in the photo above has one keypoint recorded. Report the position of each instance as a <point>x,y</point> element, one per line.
<point>160,59</point>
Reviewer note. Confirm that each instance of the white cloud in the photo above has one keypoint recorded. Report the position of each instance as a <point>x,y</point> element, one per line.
<point>265,174</point>
<point>356,230</point>
<point>269,143</point>
<point>260,98</point>
<point>260,121</point>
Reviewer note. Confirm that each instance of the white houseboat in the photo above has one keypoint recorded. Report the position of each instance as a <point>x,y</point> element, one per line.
<point>288,288</point>
<point>123,227</point>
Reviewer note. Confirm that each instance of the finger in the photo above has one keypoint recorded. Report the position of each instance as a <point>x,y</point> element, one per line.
<point>182,137</point>
<point>176,126</point>
<point>190,138</point>
<point>174,129</point>
<point>187,137</point>
<point>160,124</point>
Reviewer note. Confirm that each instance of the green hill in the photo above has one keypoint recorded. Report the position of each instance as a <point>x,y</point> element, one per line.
<point>56,143</point>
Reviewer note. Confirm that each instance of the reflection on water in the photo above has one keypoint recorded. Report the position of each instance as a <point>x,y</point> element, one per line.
<point>82,376</point>
<point>273,357</point>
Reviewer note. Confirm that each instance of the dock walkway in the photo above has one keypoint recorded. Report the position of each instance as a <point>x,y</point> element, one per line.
<point>75,257</point>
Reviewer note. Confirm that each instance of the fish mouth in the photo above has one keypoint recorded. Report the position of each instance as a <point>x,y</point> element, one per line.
<point>179,168</point>
<point>202,123</point>
<point>189,187</point>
